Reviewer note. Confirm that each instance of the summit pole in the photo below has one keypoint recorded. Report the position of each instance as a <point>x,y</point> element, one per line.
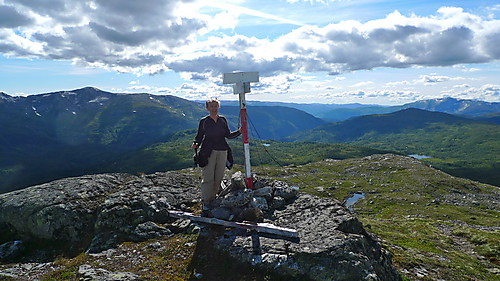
<point>246,143</point>
<point>241,85</point>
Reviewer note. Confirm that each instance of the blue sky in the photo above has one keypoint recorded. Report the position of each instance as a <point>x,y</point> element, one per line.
<point>344,51</point>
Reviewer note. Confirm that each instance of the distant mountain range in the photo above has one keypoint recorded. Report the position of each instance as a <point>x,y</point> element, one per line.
<point>320,110</point>
<point>340,112</point>
<point>360,128</point>
<point>457,106</point>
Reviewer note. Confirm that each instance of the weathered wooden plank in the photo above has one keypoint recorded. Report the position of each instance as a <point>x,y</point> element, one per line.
<point>259,227</point>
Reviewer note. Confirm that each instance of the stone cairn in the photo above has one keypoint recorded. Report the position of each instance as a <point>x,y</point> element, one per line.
<point>237,203</point>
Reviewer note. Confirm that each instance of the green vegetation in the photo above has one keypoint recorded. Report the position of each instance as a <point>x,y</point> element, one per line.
<point>464,150</point>
<point>459,146</point>
<point>177,154</point>
<point>437,226</point>
<point>282,153</point>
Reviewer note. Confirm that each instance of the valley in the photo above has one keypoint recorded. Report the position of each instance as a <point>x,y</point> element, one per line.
<point>88,131</point>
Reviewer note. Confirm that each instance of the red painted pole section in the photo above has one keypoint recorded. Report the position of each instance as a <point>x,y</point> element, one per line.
<point>244,126</point>
<point>246,146</point>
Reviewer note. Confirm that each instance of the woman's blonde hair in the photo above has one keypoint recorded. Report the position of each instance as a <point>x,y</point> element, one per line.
<point>211,100</point>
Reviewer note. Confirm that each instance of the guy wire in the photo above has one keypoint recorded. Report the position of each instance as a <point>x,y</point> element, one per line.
<point>260,139</point>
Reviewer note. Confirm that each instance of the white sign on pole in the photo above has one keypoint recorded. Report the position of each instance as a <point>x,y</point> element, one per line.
<point>240,77</point>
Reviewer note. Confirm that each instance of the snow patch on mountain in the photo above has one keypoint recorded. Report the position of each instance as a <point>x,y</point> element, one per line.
<point>99,99</point>
<point>36,112</point>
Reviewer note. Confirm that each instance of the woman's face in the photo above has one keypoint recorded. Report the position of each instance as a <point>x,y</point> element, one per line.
<point>213,107</point>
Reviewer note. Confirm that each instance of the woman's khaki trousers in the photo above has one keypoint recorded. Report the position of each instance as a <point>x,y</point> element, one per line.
<point>213,173</point>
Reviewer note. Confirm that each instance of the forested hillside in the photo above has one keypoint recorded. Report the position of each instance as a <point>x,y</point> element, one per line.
<point>460,146</point>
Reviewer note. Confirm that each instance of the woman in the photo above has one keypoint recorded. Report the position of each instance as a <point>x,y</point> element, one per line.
<point>215,153</point>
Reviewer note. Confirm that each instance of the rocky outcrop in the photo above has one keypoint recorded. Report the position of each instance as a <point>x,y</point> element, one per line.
<point>94,212</point>
<point>333,244</point>
<point>97,212</point>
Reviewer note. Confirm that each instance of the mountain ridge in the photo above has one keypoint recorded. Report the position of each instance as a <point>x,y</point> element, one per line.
<point>460,146</point>
<point>467,107</point>
<point>409,118</point>
<point>340,112</point>
<point>67,133</point>
<point>457,106</point>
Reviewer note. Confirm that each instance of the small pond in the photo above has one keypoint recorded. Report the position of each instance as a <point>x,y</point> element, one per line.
<point>419,157</point>
<point>352,200</point>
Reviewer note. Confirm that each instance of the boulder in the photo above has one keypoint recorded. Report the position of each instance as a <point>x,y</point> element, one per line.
<point>95,212</point>
<point>237,181</point>
<point>260,203</point>
<point>265,191</point>
<point>284,191</point>
<point>278,203</point>
<point>237,199</point>
<point>333,245</point>
<point>62,211</point>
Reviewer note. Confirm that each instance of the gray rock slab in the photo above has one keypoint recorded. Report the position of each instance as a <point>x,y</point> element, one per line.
<point>333,244</point>
<point>100,210</point>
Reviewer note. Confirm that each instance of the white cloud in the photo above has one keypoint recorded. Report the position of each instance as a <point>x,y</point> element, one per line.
<point>140,87</point>
<point>212,87</point>
<point>362,84</point>
<point>130,36</point>
<point>488,92</point>
<point>397,83</point>
<point>225,19</point>
<point>434,78</point>
<point>162,35</point>
<point>427,79</point>
<point>277,84</point>
<point>464,68</point>
<point>372,96</point>
<point>396,41</point>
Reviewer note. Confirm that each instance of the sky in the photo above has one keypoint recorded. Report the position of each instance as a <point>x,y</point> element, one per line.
<point>386,52</point>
